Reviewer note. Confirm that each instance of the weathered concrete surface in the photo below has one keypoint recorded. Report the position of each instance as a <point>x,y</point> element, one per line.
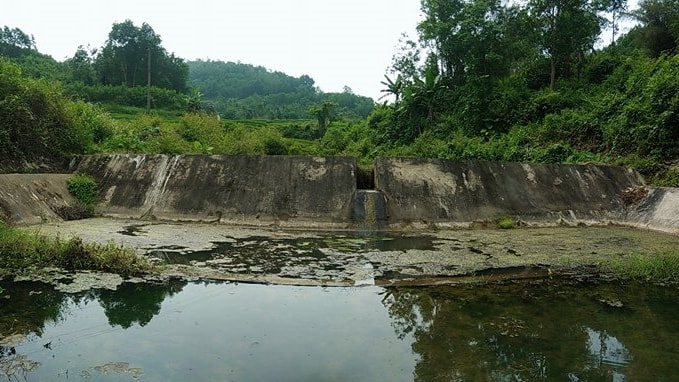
<point>425,191</point>
<point>33,198</point>
<point>658,211</point>
<point>320,193</point>
<point>228,189</point>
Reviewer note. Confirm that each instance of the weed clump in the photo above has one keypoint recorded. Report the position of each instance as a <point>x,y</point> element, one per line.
<point>84,190</point>
<point>660,267</point>
<point>506,222</point>
<point>21,250</point>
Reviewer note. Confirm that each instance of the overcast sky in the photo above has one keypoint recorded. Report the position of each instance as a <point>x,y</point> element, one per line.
<point>336,42</point>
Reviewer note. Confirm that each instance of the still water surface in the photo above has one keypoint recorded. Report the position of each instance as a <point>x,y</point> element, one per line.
<point>181,331</point>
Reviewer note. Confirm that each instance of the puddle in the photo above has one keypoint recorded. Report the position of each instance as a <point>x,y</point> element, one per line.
<point>133,230</point>
<point>379,242</point>
<point>540,328</point>
<point>545,330</point>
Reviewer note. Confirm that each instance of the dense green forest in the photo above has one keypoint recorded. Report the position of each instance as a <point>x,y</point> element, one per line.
<point>243,91</point>
<point>538,81</point>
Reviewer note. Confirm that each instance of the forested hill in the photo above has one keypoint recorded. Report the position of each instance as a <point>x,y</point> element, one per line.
<point>244,91</point>
<point>116,74</point>
<point>218,79</point>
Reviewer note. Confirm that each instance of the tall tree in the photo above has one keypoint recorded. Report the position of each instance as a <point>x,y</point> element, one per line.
<point>14,40</point>
<point>124,59</point>
<point>617,10</point>
<point>467,37</point>
<point>474,45</point>
<point>82,66</point>
<point>660,19</point>
<point>567,29</point>
<point>324,114</point>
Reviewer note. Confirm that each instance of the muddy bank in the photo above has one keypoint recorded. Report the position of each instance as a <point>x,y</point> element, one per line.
<point>218,252</point>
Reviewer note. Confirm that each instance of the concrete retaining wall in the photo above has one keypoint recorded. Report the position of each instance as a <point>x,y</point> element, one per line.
<point>224,188</point>
<point>426,191</point>
<point>659,211</point>
<point>33,198</point>
<point>321,192</point>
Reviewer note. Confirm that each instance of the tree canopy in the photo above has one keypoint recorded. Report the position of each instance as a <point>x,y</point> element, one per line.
<point>124,59</point>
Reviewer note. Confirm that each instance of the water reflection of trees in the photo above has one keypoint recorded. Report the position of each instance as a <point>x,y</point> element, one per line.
<point>136,303</point>
<point>29,307</point>
<point>527,332</point>
<point>32,305</point>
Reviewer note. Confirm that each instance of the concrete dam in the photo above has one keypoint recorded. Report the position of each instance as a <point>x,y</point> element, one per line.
<point>333,193</point>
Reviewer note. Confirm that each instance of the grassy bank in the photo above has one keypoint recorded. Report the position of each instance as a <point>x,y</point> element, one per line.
<point>20,250</point>
<point>661,267</point>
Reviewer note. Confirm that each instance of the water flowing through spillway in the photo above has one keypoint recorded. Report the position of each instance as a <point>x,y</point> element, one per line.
<point>369,212</point>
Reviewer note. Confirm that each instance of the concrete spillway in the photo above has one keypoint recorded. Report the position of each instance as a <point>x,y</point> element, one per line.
<point>227,189</point>
<point>426,191</point>
<point>321,192</point>
<point>369,211</point>
<point>33,198</point>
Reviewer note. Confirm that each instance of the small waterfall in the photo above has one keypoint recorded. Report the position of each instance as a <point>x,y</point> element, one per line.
<point>369,212</point>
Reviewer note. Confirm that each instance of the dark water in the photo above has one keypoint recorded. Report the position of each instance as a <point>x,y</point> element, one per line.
<point>258,254</point>
<point>238,332</point>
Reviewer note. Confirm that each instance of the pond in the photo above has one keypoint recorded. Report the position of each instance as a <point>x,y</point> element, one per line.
<point>199,331</point>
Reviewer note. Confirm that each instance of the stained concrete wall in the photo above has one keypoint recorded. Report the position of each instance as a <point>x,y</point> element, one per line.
<point>426,191</point>
<point>33,198</point>
<point>321,192</point>
<point>245,189</point>
<point>658,211</point>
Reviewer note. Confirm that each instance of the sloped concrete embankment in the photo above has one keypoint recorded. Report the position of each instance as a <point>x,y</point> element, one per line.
<point>33,198</point>
<point>658,211</point>
<point>321,192</point>
<point>425,191</point>
<point>228,189</point>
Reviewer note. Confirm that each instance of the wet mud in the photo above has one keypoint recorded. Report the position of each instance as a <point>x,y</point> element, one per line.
<point>275,256</point>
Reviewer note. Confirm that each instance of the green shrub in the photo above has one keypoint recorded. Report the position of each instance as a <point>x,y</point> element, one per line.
<point>84,190</point>
<point>196,127</point>
<point>275,146</point>
<point>92,123</point>
<point>34,118</point>
<point>547,102</point>
<point>554,153</point>
<point>506,222</point>
<point>668,177</point>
